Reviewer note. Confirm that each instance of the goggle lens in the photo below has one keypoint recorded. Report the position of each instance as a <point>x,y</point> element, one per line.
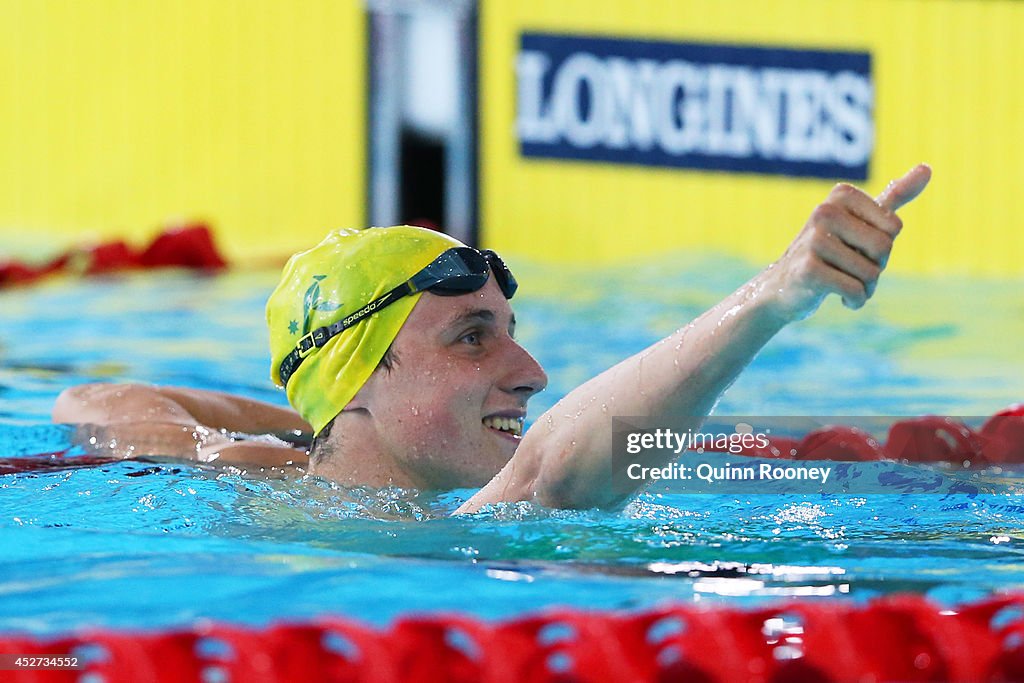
<point>506,280</point>
<point>457,271</point>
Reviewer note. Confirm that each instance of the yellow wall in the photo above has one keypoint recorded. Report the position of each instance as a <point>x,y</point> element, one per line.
<point>947,77</point>
<point>118,116</point>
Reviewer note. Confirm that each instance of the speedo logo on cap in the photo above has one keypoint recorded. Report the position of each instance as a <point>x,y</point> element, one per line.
<point>368,308</point>
<point>692,105</point>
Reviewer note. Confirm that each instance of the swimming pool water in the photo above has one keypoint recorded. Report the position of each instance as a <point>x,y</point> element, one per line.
<point>142,544</point>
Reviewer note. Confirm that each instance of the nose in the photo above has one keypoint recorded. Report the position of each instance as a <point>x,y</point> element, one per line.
<point>525,377</point>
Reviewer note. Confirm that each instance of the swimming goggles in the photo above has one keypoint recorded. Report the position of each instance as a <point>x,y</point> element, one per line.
<point>459,270</point>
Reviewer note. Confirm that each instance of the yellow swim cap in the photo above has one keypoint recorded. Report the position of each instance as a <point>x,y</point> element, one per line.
<point>346,271</point>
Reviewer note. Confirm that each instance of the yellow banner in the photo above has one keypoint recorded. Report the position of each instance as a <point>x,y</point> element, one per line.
<point>121,116</point>
<point>942,87</point>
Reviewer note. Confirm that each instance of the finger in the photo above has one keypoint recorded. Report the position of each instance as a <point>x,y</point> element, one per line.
<point>848,260</point>
<point>903,191</point>
<point>848,287</point>
<point>873,243</point>
<point>867,209</point>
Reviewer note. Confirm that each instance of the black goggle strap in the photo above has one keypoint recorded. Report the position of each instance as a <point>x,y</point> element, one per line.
<point>321,335</point>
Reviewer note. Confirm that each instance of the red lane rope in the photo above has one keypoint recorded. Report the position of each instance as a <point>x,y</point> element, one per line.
<point>901,638</point>
<point>191,246</point>
<point>931,438</point>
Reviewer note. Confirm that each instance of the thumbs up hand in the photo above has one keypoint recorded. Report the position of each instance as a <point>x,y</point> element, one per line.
<point>843,248</point>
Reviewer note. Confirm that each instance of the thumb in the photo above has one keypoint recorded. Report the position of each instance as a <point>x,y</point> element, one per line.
<point>903,191</point>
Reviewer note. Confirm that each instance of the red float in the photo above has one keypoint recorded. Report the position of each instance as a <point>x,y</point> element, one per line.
<point>899,638</point>
<point>191,246</point>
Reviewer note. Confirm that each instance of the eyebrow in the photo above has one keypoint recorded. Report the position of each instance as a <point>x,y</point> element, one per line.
<point>481,315</point>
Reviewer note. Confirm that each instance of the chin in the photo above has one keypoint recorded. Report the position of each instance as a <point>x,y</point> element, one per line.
<point>472,471</point>
<point>478,477</point>
<point>470,467</point>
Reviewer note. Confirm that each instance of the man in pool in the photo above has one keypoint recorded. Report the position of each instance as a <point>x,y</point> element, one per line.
<point>396,348</point>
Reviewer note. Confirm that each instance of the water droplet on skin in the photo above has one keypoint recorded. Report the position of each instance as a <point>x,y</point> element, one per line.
<point>415,410</point>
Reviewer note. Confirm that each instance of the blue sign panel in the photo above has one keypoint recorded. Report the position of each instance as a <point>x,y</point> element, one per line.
<point>691,105</point>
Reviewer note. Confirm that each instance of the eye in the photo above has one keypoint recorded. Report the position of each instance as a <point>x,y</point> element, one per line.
<point>472,338</point>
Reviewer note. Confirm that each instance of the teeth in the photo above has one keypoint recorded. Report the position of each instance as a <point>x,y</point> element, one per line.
<point>512,425</point>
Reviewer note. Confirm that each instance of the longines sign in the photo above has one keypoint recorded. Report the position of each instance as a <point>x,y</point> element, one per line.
<point>702,106</point>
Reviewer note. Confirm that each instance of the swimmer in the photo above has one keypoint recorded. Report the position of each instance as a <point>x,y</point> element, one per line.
<point>396,348</point>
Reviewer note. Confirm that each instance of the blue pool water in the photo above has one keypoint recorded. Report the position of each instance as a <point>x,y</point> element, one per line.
<point>135,544</point>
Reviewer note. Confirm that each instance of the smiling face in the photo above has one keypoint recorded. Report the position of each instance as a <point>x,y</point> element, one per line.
<point>449,413</point>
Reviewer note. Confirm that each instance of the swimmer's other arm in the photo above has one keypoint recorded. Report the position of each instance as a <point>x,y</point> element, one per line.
<point>136,420</point>
<point>565,459</point>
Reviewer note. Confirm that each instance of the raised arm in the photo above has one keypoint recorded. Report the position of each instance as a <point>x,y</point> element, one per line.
<point>130,420</point>
<point>565,460</point>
